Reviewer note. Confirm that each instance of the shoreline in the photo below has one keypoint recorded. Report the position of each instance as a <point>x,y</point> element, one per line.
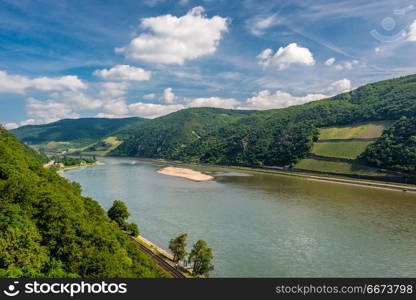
<point>185,173</point>
<point>164,254</point>
<point>150,244</point>
<point>330,179</point>
<point>68,168</point>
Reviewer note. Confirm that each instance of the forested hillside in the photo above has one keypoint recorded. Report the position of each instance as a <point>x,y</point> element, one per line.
<point>278,137</point>
<point>396,148</point>
<point>70,130</point>
<point>165,137</point>
<point>47,229</point>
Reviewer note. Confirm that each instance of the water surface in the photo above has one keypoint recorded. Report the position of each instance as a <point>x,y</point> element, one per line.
<point>263,225</point>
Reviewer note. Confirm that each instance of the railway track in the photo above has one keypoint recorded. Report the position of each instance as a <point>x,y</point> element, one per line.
<point>161,262</point>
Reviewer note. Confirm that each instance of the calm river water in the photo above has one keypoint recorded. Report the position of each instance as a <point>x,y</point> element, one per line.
<point>266,225</point>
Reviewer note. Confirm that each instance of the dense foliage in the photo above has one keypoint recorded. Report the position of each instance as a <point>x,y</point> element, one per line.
<point>165,137</point>
<point>119,213</point>
<point>48,229</point>
<point>396,148</point>
<point>279,137</point>
<point>72,161</point>
<point>85,130</point>
<point>178,247</point>
<point>201,257</point>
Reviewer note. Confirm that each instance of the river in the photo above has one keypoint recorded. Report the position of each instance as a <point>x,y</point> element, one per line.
<point>261,225</point>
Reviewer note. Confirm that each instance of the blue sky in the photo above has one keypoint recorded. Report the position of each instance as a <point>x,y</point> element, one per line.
<point>86,58</point>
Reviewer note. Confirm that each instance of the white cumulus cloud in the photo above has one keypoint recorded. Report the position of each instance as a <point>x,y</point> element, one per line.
<point>28,122</point>
<point>411,35</point>
<point>259,24</point>
<point>113,89</point>
<point>13,83</point>
<point>330,61</point>
<point>59,83</point>
<point>339,86</point>
<point>150,110</point>
<point>268,100</point>
<point>149,96</point>
<point>174,40</point>
<point>229,103</point>
<point>48,111</point>
<point>116,107</point>
<point>168,96</point>
<point>347,65</point>
<point>10,126</point>
<point>77,100</point>
<point>292,54</point>
<point>123,72</point>
<point>18,84</point>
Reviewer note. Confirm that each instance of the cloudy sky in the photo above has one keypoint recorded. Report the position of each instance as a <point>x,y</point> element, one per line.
<point>102,58</point>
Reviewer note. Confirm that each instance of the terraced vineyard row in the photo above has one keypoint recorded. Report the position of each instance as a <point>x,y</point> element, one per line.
<point>338,148</point>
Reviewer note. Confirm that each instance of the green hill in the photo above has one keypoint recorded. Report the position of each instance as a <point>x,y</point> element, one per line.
<point>280,137</point>
<point>72,133</point>
<point>165,137</point>
<point>284,136</point>
<point>47,229</point>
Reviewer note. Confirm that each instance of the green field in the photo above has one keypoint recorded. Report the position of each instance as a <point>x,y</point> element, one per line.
<point>336,167</point>
<point>368,130</point>
<point>102,147</point>
<point>348,150</point>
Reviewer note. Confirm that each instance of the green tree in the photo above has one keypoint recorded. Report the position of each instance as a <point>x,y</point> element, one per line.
<point>132,229</point>
<point>48,229</point>
<point>118,213</point>
<point>178,247</point>
<point>201,256</point>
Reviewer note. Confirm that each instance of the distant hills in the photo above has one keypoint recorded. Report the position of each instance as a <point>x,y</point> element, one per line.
<point>168,136</point>
<point>279,137</point>
<point>72,134</point>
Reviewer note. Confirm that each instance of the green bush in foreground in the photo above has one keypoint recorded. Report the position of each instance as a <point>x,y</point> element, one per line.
<point>47,229</point>
<point>119,214</point>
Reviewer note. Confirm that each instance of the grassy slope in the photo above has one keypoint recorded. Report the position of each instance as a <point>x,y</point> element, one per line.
<point>350,150</point>
<point>367,130</point>
<point>102,147</point>
<point>337,167</point>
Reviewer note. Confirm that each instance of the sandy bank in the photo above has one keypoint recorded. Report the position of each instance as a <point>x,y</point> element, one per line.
<point>185,173</point>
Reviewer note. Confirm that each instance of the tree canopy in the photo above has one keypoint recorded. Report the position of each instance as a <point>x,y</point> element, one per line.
<point>201,256</point>
<point>48,229</point>
<point>178,247</point>
<point>119,213</point>
<point>396,148</point>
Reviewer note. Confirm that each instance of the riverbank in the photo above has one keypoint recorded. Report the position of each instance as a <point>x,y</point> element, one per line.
<point>330,179</point>
<point>159,254</point>
<point>325,178</point>
<point>67,168</point>
<point>186,173</point>
<point>153,246</point>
